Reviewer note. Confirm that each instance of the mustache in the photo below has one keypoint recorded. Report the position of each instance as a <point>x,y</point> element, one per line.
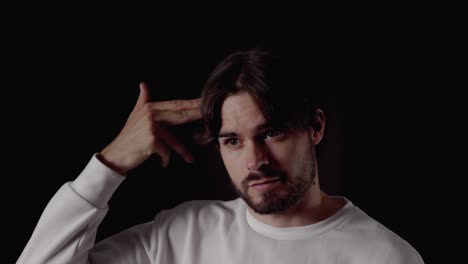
<point>266,174</point>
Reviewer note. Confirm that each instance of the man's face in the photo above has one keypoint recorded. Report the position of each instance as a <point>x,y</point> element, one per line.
<point>270,168</point>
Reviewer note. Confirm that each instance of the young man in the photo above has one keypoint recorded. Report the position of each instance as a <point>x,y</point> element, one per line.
<point>263,113</point>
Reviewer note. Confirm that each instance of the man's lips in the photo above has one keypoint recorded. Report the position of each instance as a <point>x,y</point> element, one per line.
<point>264,181</point>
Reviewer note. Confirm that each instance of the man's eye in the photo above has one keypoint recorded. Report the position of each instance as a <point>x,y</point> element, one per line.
<point>273,133</point>
<point>232,141</point>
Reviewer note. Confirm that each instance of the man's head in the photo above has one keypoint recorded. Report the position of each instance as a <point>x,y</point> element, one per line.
<point>256,108</point>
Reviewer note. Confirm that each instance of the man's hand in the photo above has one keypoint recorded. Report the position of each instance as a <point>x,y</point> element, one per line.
<point>146,132</point>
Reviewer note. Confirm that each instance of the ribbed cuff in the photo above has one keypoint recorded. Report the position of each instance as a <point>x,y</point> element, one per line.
<point>97,182</point>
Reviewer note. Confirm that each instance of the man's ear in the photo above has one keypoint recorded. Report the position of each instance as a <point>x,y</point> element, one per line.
<point>317,128</point>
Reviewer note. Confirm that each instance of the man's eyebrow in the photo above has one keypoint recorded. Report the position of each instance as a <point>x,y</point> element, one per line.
<point>227,134</point>
<point>259,128</point>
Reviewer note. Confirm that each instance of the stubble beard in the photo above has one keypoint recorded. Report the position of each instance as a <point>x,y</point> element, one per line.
<point>288,195</point>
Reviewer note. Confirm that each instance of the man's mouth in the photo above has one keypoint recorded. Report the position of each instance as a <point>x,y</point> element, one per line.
<point>265,184</point>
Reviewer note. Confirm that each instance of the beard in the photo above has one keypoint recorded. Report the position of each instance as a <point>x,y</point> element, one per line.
<point>291,191</point>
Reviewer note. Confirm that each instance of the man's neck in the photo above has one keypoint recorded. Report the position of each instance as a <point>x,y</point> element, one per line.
<point>314,207</point>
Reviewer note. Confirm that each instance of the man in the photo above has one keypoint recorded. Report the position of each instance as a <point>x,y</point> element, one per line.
<point>263,113</point>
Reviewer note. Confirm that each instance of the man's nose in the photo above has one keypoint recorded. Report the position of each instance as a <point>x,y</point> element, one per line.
<point>257,156</point>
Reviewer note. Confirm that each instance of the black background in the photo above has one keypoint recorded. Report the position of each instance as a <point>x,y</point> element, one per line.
<point>395,142</point>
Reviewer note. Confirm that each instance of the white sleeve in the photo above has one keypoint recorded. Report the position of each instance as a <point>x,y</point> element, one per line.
<point>67,228</point>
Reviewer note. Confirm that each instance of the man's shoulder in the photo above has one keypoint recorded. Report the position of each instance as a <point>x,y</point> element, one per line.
<point>206,211</point>
<point>209,206</point>
<point>386,244</point>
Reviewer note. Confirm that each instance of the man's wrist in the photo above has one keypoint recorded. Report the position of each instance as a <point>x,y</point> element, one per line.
<point>104,159</point>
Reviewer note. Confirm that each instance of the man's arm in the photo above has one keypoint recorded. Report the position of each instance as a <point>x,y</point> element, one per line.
<point>67,228</point>
<point>68,225</point>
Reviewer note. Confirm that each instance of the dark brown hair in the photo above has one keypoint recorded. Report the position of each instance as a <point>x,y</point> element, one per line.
<point>283,87</point>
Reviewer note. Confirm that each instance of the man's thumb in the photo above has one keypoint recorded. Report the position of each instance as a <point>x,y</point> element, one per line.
<point>144,96</point>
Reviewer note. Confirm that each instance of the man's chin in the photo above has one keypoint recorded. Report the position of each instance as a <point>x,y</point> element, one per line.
<point>267,205</point>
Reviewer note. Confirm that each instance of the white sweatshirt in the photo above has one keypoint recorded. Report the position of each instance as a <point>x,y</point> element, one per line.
<point>201,232</point>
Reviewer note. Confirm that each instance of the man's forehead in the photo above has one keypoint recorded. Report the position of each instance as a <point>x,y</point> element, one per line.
<point>239,112</point>
<point>238,100</point>
<point>241,123</point>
